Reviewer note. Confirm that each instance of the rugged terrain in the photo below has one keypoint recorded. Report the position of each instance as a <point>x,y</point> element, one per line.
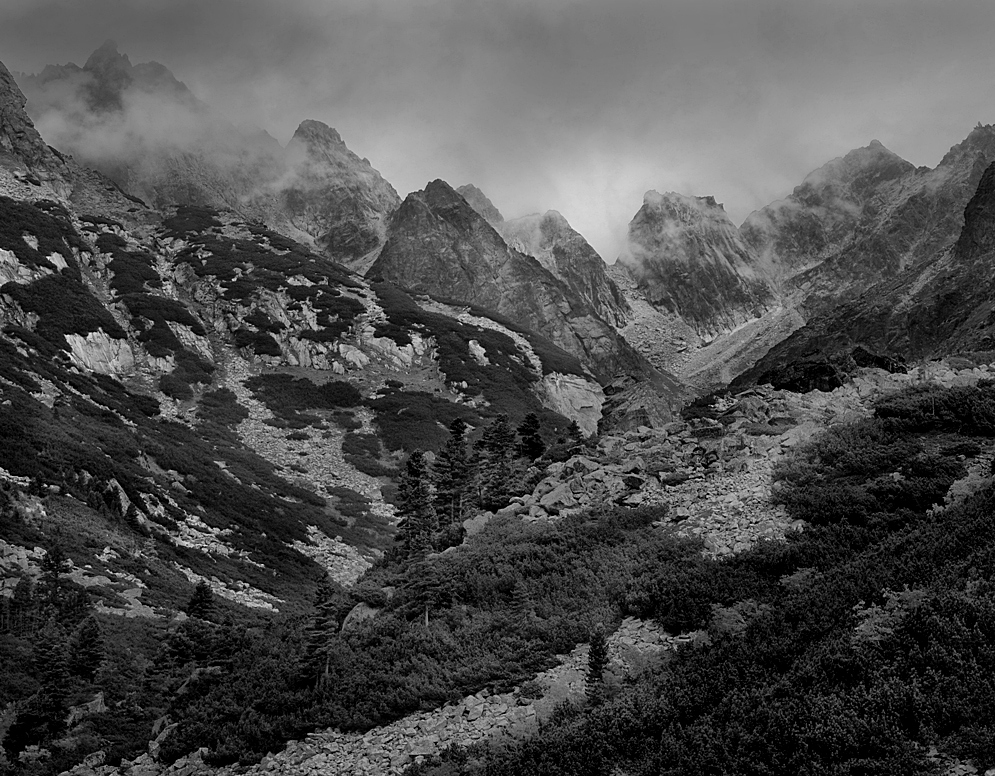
<point>147,132</point>
<point>219,357</point>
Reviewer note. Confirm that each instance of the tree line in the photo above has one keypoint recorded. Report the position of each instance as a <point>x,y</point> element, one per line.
<point>434,499</point>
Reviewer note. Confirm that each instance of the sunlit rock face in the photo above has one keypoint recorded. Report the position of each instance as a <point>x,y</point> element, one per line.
<point>688,258</point>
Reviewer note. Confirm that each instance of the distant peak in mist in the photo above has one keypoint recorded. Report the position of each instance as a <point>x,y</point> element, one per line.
<point>479,202</point>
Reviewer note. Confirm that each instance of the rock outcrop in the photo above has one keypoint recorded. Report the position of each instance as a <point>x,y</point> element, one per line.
<point>20,143</point>
<point>479,202</point>
<point>562,250</point>
<point>940,305</point>
<point>688,258</point>
<point>439,245</point>
<point>822,215</point>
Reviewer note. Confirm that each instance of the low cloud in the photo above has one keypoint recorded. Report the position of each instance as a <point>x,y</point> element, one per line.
<point>574,105</point>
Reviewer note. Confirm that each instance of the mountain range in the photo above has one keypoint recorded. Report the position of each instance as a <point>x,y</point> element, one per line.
<point>220,354</point>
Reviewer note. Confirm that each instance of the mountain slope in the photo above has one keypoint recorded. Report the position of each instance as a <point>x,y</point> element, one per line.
<point>144,129</point>
<point>551,240</point>
<point>941,305</point>
<point>440,245</point>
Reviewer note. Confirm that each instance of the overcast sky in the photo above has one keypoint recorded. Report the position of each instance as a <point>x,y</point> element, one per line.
<point>574,105</point>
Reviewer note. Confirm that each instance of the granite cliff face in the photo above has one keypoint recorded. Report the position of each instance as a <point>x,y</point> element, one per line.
<point>479,202</point>
<point>943,304</point>
<point>438,244</point>
<point>823,214</point>
<point>562,250</point>
<point>145,130</point>
<point>688,258</point>
<point>330,195</point>
<point>20,143</point>
<point>866,218</point>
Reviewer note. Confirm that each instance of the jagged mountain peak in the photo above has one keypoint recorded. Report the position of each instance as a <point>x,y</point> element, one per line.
<point>107,57</point>
<point>479,202</point>
<point>979,142</point>
<point>685,209</point>
<point>316,133</point>
<point>856,173</point>
<point>549,238</point>
<point>688,258</point>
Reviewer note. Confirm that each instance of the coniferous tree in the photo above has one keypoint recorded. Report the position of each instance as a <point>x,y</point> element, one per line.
<point>86,649</point>
<point>52,670</point>
<point>52,589</point>
<point>521,603</point>
<point>574,432</point>
<point>415,506</point>
<point>496,451</point>
<point>530,443</point>
<point>322,626</point>
<point>452,477</point>
<point>597,662</point>
<point>22,607</point>
<point>201,601</point>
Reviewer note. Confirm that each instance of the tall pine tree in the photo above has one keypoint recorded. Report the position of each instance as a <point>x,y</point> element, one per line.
<point>321,628</point>
<point>496,451</point>
<point>597,662</point>
<point>201,601</point>
<point>419,523</point>
<point>453,478</point>
<point>51,665</point>
<point>86,649</point>
<point>530,442</point>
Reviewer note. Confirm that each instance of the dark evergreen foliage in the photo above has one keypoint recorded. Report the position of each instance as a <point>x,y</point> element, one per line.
<point>86,649</point>
<point>418,522</point>
<point>597,662</point>
<point>453,478</point>
<point>201,602</point>
<point>530,443</point>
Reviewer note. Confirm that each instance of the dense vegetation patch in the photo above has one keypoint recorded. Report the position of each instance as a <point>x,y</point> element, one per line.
<point>290,399</point>
<point>415,420</point>
<point>45,221</point>
<point>64,306</point>
<point>133,270</point>
<point>498,610</point>
<point>851,648</point>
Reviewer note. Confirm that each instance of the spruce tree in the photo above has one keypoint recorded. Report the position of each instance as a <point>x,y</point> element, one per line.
<point>597,662</point>
<point>52,589</point>
<point>530,445</point>
<point>322,626</point>
<point>23,606</point>
<point>521,603</point>
<point>452,477</point>
<point>51,666</point>
<point>574,432</point>
<point>497,450</point>
<point>86,649</point>
<point>415,506</point>
<point>201,601</point>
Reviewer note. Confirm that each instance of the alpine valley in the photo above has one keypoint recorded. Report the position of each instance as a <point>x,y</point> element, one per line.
<point>299,476</point>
